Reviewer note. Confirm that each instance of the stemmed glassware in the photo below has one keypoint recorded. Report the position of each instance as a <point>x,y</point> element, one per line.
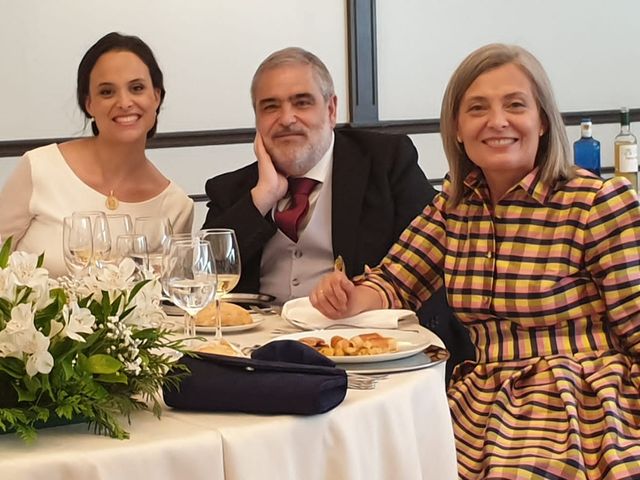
<point>224,247</point>
<point>101,235</point>
<point>77,243</point>
<point>190,278</point>
<point>119,224</point>
<point>133,246</point>
<point>157,230</point>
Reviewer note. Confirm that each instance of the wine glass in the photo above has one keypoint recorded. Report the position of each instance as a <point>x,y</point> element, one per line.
<point>77,243</point>
<point>224,247</point>
<point>101,235</point>
<point>119,224</point>
<point>133,246</point>
<point>157,229</point>
<point>190,278</point>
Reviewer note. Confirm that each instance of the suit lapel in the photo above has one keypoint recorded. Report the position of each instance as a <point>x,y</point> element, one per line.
<point>349,182</point>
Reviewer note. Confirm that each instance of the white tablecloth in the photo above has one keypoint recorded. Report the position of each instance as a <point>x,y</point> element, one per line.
<point>401,430</point>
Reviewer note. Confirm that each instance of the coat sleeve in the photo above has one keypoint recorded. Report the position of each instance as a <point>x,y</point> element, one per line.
<point>228,210</point>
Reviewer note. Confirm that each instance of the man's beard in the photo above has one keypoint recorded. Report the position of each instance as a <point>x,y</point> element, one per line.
<point>299,159</point>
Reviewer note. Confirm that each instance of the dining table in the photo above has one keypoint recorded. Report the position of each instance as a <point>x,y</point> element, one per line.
<point>401,429</point>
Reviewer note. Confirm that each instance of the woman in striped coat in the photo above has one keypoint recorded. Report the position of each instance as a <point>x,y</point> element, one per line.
<point>541,262</point>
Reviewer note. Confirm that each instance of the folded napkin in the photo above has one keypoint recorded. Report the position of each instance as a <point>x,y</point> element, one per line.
<point>302,314</point>
<point>282,377</point>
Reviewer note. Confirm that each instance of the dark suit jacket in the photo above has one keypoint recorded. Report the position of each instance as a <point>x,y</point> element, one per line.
<point>378,188</point>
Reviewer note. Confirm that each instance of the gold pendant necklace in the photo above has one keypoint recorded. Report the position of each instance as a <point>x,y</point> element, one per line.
<point>111,202</point>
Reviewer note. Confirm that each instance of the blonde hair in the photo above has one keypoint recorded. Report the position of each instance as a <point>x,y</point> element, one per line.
<point>295,56</point>
<point>553,156</point>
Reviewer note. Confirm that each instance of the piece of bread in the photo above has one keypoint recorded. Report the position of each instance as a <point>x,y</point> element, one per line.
<point>231,313</point>
<point>218,348</point>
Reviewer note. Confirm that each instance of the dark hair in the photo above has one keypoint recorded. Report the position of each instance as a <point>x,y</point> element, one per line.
<point>119,43</point>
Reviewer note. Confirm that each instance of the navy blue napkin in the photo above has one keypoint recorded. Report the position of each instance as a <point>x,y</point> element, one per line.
<point>282,377</point>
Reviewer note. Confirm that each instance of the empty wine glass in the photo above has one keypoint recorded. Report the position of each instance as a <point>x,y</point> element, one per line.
<point>133,246</point>
<point>119,224</point>
<point>224,247</point>
<point>77,243</point>
<point>190,278</point>
<point>157,229</point>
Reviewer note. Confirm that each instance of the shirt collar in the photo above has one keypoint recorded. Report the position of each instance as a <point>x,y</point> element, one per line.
<point>320,170</point>
<point>530,183</point>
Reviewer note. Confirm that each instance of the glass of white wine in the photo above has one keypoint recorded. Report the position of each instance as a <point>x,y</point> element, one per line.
<point>190,278</point>
<point>224,247</point>
<point>100,233</point>
<point>77,243</point>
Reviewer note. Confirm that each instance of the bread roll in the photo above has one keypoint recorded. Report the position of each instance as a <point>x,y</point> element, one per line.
<point>219,349</point>
<point>231,314</point>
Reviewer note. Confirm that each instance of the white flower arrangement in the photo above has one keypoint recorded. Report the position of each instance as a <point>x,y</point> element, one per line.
<point>90,348</point>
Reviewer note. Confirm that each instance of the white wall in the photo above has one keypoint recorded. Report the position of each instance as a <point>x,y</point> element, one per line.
<point>209,49</point>
<point>588,48</point>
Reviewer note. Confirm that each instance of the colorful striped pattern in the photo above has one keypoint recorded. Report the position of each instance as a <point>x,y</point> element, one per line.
<point>549,286</point>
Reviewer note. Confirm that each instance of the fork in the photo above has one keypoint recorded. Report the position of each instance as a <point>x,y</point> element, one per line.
<point>356,381</point>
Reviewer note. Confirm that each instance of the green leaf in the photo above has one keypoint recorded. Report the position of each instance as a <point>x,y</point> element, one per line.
<point>106,304</point>
<point>103,364</point>
<point>25,395</point>
<point>117,377</point>
<point>33,384</point>
<point>12,366</point>
<point>5,252</point>
<point>124,314</point>
<point>67,368</point>
<point>40,260</point>
<point>137,287</point>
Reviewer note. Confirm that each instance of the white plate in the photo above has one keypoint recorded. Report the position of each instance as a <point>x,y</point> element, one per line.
<point>257,320</point>
<point>409,343</point>
<point>178,323</point>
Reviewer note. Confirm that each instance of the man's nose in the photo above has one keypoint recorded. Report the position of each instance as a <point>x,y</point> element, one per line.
<point>288,115</point>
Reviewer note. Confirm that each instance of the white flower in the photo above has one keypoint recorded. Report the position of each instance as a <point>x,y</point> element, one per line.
<point>20,338</point>
<point>77,320</point>
<point>24,267</point>
<point>7,285</point>
<point>148,311</point>
<point>40,360</point>
<point>19,330</point>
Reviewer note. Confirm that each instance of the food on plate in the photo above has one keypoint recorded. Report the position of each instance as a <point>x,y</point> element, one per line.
<point>231,315</point>
<point>219,349</point>
<point>364,344</point>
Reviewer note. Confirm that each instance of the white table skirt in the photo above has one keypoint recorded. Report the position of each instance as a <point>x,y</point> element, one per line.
<point>401,430</point>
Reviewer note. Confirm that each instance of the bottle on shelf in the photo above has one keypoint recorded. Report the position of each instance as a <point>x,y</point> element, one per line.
<point>586,150</point>
<point>626,150</point>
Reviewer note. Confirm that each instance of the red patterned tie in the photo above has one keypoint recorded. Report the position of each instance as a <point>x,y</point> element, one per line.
<point>288,220</point>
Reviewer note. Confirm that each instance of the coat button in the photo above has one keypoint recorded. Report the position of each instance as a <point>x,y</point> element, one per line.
<point>295,282</point>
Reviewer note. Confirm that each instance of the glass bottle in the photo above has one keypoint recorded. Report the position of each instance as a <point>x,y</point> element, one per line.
<point>586,150</point>
<point>626,151</point>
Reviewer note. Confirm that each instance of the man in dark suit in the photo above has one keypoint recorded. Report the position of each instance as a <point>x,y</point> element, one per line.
<point>366,187</point>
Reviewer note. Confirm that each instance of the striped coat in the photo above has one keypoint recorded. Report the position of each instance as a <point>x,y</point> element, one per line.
<point>548,284</point>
